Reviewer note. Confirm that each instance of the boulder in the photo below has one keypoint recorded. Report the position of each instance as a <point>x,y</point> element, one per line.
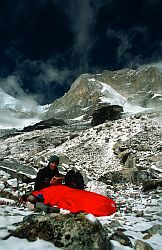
<point>110,113</point>
<point>141,245</point>
<point>151,184</point>
<point>97,187</point>
<point>121,238</point>
<point>70,231</point>
<point>44,124</point>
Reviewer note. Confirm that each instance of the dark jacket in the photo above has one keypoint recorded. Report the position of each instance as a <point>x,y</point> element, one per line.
<point>44,176</point>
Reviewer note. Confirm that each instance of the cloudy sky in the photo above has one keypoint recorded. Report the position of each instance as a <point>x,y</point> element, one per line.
<point>46,44</point>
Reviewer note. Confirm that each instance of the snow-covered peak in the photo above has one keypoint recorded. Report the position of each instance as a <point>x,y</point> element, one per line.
<point>18,114</point>
<point>111,96</point>
<point>7,101</point>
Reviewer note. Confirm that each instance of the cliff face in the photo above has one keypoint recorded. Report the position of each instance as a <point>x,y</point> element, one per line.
<point>139,87</point>
<point>80,99</point>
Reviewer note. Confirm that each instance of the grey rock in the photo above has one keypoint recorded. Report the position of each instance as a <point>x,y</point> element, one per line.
<point>71,231</point>
<point>160,213</point>
<point>109,113</point>
<point>137,86</point>
<point>141,245</point>
<point>152,184</point>
<point>97,187</point>
<point>154,230</point>
<point>44,124</point>
<point>140,213</point>
<point>8,195</point>
<point>121,238</point>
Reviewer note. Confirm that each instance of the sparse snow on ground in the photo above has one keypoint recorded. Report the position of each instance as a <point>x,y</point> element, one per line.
<point>145,212</point>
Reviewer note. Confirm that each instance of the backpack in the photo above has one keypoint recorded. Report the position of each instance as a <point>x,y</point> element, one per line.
<point>74,179</point>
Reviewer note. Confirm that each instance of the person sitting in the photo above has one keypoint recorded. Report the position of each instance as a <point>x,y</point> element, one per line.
<point>47,176</point>
<point>50,175</point>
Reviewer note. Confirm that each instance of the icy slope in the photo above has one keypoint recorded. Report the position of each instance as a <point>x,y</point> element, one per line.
<point>16,113</point>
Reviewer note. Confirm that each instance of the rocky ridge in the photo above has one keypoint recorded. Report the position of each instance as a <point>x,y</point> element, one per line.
<point>122,87</point>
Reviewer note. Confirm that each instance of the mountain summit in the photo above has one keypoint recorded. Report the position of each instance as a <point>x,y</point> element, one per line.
<point>134,90</point>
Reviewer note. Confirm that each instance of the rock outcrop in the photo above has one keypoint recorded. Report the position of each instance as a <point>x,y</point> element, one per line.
<point>109,113</point>
<point>69,231</point>
<point>139,87</point>
<point>44,124</point>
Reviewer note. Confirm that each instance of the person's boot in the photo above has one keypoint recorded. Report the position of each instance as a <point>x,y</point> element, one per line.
<point>54,210</point>
<point>40,207</point>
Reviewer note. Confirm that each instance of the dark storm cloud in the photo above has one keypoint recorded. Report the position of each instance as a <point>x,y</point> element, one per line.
<point>126,43</point>
<point>45,79</point>
<point>46,44</point>
<point>44,72</point>
<point>49,74</point>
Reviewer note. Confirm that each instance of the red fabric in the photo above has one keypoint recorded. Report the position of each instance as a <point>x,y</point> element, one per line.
<point>76,200</point>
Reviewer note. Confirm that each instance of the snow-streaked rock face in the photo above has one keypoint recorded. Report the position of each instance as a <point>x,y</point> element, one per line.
<point>138,86</point>
<point>134,90</point>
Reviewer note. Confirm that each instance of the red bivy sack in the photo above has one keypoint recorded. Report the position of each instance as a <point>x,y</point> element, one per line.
<point>76,200</point>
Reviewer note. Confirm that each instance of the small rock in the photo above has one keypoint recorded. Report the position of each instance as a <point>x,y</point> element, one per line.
<point>154,230</point>
<point>141,245</point>
<point>121,238</point>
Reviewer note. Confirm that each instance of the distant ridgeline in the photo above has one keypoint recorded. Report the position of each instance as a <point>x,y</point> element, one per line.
<point>5,132</point>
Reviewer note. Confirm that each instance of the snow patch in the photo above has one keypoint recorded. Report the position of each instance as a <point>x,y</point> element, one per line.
<point>91,217</point>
